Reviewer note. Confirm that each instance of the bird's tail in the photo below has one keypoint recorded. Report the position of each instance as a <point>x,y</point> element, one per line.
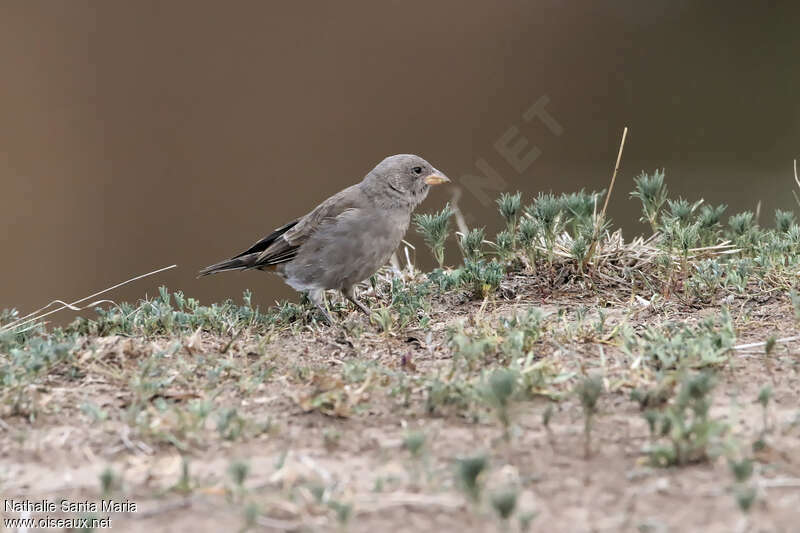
<point>250,257</point>
<point>237,263</point>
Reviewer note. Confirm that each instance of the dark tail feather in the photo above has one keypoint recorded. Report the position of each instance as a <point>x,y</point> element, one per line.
<point>249,258</point>
<point>237,263</point>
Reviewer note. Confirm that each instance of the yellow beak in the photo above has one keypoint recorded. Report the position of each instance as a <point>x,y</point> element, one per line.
<point>436,179</point>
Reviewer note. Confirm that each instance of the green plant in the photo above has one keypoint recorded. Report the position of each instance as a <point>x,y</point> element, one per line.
<point>528,237</point>
<point>582,207</point>
<point>469,470</point>
<point>706,279</point>
<point>510,206</point>
<point>743,230</point>
<point>589,391</point>
<point>742,470</point>
<point>411,302</point>
<point>382,317</point>
<point>676,344</point>
<point>184,484</point>
<point>685,238</point>
<point>343,511</point>
<point>435,228</point>
<point>548,212</point>
<point>794,297</point>
<point>764,396</point>
<point>522,330</point>
<point>414,442</point>
<point>251,514</point>
<point>680,211</point>
<point>239,470</point>
<point>686,425</point>
<point>769,345</point>
<point>525,520</point>
<point>502,383</point>
<point>504,502</point>
<point>783,220</point>
<point>708,223</point>
<point>230,424</point>
<point>504,245</point>
<point>109,481</point>
<point>744,493</point>
<point>483,277</point>
<point>579,250</point>
<point>651,191</point>
<point>471,244</point>
<point>745,497</point>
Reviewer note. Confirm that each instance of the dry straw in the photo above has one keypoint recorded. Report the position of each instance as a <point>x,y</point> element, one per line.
<point>35,317</point>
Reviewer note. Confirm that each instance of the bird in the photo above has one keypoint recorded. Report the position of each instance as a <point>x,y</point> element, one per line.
<point>346,238</point>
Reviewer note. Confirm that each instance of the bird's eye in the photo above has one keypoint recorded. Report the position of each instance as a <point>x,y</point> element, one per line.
<point>417,170</point>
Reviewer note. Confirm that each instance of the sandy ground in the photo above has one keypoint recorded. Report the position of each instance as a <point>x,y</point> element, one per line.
<point>305,462</point>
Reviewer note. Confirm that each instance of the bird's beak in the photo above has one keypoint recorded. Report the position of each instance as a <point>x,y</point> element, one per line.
<point>436,178</point>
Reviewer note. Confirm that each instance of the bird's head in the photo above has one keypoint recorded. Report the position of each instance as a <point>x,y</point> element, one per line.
<point>405,179</point>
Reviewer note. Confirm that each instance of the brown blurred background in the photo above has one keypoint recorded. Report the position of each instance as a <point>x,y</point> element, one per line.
<point>135,134</point>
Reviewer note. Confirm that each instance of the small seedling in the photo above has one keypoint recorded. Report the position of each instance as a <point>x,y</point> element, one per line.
<point>230,424</point>
<point>469,470</point>
<point>414,442</point>
<point>579,250</point>
<point>708,223</point>
<point>482,277</point>
<point>547,416</point>
<point>109,481</point>
<point>743,229</point>
<point>652,192</point>
<point>510,206</point>
<point>331,437</point>
<point>504,245</point>
<point>687,426</point>
<point>795,299</point>
<point>745,497</point>
<point>582,206</point>
<point>184,484</point>
<point>343,511</point>
<point>742,470</point>
<point>680,210</point>
<point>435,229</point>
<point>652,417</point>
<point>548,213</point>
<point>383,318</point>
<point>769,346</point>
<point>525,520</point>
<point>471,244</point>
<point>589,391</point>
<point>783,220</point>
<point>504,502</point>
<point>528,236</point>
<point>251,514</point>
<point>764,396</point>
<point>502,383</point>
<point>238,470</point>
<point>94,411</point>
<point>744,493</point>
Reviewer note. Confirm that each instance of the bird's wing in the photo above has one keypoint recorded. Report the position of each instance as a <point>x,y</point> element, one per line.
<point>285,246</point>
<point>246,259</point>
<point>267,241</point>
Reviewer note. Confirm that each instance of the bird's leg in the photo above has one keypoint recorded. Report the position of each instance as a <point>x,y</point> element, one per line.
<point>350,294</point>
<point>317,297</point>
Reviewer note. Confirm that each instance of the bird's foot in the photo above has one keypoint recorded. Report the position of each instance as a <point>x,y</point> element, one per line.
<point>326,315</point>
<point>317,297</point>
<point>363,308</point>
